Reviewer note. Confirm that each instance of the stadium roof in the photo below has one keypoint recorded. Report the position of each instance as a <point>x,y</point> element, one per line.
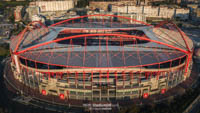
<point>102,41</point>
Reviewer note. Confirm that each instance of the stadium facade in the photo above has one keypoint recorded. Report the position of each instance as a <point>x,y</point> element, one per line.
<point>99,58</point>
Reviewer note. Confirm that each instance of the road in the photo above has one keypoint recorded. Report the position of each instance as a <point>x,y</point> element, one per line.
<point>194,34</point>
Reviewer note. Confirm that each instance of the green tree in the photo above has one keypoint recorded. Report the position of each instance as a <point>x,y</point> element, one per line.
<point>4,51</point>
<point>82,3</point>
<point>134,109</point>
<point>12,19</point>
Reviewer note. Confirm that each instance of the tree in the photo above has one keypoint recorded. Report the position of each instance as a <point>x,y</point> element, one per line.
<point>4,51</point>
<point>134,109</point>
<point>82,3</point>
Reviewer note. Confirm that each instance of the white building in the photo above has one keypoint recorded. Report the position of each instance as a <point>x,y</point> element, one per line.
<point>149,11</point>
<point>49,6</point>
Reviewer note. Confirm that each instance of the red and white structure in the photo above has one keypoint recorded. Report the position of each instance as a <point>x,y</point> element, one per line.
<point>100,58</point>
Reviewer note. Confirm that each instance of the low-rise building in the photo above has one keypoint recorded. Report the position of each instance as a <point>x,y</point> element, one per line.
<point>5,30</point>
<point>32,10</point>
<point>156,12</point>
<point>54,5</point>
<point>198,13</point>
<point>18,13</point>
<point>194,12</point>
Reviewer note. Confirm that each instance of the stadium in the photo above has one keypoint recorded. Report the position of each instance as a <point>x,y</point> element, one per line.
<point>99,58</point>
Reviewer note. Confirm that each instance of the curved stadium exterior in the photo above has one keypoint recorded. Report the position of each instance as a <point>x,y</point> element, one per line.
<point>99,58</point>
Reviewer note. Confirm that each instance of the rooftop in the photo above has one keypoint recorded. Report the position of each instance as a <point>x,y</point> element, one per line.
<point>102,41</point>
